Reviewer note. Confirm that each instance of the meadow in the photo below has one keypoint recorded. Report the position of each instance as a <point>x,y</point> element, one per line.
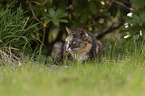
<point>28,30</point>
<point>121,73</point>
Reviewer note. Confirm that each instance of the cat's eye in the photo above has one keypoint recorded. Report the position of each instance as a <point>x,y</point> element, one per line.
<point>76,45</point>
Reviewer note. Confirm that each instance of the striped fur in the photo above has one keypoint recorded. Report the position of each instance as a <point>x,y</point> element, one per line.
<point>80,45</point>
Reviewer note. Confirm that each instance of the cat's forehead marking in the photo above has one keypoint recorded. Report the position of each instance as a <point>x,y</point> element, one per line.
<point>75,35</point>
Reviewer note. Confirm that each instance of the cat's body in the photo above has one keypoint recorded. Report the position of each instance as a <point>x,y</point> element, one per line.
<point>81,45</point>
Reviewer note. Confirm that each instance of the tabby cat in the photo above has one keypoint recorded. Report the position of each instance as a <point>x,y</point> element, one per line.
<point>80,45</point>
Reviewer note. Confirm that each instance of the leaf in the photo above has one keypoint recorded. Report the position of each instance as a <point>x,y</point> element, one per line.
<point>137,19</point>
<point>25,38</point>
<point>131,22</point>
<point>133,32</point>
<point>63,20</point>
<point>31,26</point>
<point>53,33</point>
<point>55,21</point>
<point>138,3</point>
<point>1,41</point>
<point>47,21</point>
<point>92,7</point>
<point>60,13</point>
<point>142,15</point>
<point>44,18</point>
<point>143,33</point>
<point>52,12</point>
<point>78,10</point>
<point>126,35</point>
<point>84,17</point>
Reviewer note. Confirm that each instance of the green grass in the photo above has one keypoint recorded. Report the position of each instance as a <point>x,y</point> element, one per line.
<point>119,74</point>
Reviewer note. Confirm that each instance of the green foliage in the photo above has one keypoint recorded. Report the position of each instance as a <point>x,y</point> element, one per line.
<point>54,16</point>
<point>134,27</point>
<point>89,14</point>
<point>137,3</point>
<point>120,73</point>
<point>15,29</point>
<point>16,35</point>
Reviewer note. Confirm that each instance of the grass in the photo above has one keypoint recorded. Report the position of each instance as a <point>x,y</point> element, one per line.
<point>119,74</point>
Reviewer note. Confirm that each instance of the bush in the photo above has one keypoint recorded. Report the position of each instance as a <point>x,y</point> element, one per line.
<point>15,30</point>
<point>134,27</point>
<point>15,33</point>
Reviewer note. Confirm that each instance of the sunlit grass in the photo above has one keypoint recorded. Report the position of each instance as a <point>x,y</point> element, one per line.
<point>116,75</point>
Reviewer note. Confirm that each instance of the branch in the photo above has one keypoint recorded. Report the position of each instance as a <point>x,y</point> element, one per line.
<point>39,3</point>
<point>107,30</point>
<point>34,13</point>
<point>119,3</point>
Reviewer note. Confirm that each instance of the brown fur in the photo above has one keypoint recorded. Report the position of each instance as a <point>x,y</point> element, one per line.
<point>90,48</point>
<point>81,45</point>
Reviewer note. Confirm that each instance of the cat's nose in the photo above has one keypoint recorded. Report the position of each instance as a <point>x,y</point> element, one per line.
<point>67,47</point>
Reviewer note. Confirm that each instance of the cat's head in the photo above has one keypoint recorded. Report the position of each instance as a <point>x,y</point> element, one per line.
<point>77,40</point>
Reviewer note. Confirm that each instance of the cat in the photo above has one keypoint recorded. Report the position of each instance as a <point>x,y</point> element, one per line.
<point>79,45</point>
<point>57,52</point>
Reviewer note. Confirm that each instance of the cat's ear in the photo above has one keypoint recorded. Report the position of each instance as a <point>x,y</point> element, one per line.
<point>68,30</point>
